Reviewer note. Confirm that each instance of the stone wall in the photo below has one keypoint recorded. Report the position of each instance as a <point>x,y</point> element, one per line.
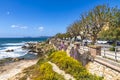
<point>104,71</point>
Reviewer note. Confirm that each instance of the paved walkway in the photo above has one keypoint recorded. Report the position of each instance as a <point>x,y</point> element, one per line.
<point>112,64</point>
<point>106,52</point>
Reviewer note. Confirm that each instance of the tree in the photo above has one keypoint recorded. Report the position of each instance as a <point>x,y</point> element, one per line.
<point>113,32</point>
<point>92,23</point>
<point>74,29</point>
<point>96,19</point>
<point>110,34</point>
<point>63,35</point>
<point>78,28</point>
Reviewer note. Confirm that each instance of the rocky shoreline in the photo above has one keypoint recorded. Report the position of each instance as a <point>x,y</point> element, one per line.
<point>32,53</point>
<point>23,69</point>
<point>9,65</point>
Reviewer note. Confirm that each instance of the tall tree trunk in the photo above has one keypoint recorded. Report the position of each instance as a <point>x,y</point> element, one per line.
<point>75,38</point>
<point>94,38</point>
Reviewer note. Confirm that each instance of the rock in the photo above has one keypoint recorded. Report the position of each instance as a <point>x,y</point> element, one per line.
<point>9,50</point>
<point>5,60</point>
<point>29,45</point>
<point>24,47</point>
<point>85,58</point>
<point>17,59</point>
<point>32,50</point>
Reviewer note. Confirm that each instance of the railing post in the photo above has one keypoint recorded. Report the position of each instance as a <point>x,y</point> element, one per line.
<point>115,53</point>
<point>83,45</point>
<point>104,51</point>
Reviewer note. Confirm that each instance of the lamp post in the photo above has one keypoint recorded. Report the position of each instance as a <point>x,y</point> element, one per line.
<point>86,33</point>
<point>82,34</point>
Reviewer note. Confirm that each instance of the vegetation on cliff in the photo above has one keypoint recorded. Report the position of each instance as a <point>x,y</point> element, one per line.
<point>71,66</point>
<point>43,70</point>
<point>46,73</point>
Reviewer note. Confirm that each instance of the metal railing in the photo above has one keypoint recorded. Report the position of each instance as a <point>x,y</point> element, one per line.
<point>114,55</point>
<point>105,52</point>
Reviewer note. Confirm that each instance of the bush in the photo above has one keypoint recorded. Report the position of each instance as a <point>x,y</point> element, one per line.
<point>71,66</point>
<point>50,51</point>
<point>46,73</point>
<point>47,49</point>
<point>41,71</point>
<point>41,60</point>
<point>112,49</point>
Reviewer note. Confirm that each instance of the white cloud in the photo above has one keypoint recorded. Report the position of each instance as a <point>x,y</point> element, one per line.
<point>41,28</point>
<point>21,27</point>
<point>8,13</point>
<point>14,26</point>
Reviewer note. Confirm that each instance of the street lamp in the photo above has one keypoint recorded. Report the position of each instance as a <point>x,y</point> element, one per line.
<point>82,34</point>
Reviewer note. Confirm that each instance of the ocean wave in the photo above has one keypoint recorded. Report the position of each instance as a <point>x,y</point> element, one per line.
<point>12,47</point>
<point>10,54</point>
<point>13,44</point>
<point>16,53</point>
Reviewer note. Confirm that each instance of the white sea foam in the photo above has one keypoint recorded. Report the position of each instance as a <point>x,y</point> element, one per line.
<point>12,47</point>
<point>13,44</point>
<point>10,54</point>
<point>16,53</point>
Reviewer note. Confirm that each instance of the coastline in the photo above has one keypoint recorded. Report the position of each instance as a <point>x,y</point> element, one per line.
<point>23,69</point>
<point>11,69</point>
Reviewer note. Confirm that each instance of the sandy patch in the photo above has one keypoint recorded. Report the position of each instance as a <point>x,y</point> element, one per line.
<point>12,69</point>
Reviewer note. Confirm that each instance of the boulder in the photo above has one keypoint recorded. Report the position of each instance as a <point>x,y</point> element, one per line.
<point>9,50</point>
<point>24,47</point>
<point>85,58</point>
<point>17,59</point>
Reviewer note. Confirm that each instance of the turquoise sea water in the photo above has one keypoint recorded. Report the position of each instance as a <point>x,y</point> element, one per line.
<point>15,44</point>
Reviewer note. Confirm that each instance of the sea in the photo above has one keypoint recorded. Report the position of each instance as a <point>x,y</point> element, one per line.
<point>16,45</point>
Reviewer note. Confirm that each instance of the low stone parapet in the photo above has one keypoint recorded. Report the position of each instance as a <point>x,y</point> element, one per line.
<point>95,50</point>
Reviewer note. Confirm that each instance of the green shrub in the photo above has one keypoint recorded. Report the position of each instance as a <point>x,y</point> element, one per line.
<point>50,51</point>
<point>71,66</point>
<point>46,73</point>
<point>47,48</point>
<point>112,49</point>
<point>41,60</point>
<point>41,71</point>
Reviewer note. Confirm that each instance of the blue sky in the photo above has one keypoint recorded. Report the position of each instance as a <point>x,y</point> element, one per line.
<point>23,18</point>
